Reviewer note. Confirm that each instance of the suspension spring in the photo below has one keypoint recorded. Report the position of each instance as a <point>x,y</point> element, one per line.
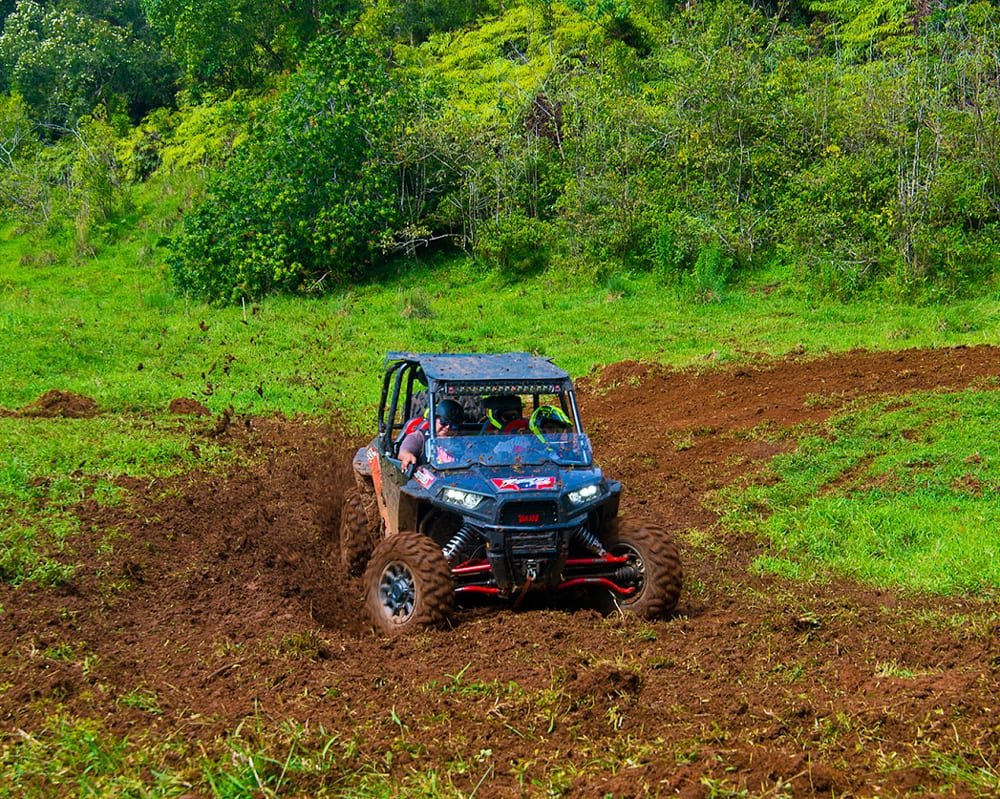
<point>589,540</point>
<point>466,535</point>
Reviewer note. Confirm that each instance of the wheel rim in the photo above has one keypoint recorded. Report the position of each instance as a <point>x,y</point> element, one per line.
<point>397,592</point>
<point>635,564</point>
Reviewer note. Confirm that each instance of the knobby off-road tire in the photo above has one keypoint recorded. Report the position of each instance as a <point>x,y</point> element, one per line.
<point>358,533</point>
<point>408,585</point>
<point>654,556</point>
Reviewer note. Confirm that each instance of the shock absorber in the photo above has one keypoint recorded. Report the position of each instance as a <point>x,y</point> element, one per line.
<point>589,541</point>
<point>466,535</point>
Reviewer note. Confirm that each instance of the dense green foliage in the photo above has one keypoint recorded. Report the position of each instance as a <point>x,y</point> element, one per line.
<point>308,194</point>
<point>855,142</point>
<point>728,136</point>
<point>232,44</point>
<point>65,59</point>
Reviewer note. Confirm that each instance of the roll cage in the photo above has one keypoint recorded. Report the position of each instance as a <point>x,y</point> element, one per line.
<point>414,383</point>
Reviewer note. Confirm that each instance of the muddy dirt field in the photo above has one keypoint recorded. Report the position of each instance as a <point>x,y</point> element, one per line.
<point>222,596</point>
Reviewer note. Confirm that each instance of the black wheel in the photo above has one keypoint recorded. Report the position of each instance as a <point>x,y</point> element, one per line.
<point>654,567</point>
<point>358,532</point>
<point>408,585</point>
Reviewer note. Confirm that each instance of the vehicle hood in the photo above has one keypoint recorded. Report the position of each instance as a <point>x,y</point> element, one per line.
<point>503,482</point>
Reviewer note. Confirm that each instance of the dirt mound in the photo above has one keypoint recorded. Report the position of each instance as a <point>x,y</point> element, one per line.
<point>184,406</point>
<point>64,404</point>
<point>220,598</point>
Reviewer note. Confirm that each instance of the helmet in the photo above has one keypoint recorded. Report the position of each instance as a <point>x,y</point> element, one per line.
<point>450,413</point>
<point>547,415</point>
<point>502,409</point>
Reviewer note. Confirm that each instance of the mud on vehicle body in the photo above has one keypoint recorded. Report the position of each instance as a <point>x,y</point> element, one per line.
<point>488,513</point>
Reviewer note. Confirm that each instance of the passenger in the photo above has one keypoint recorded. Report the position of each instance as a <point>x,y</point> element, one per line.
<point>511,446</point>
<point>501,410</point>
<point>448,422</point>
<point>548,420</point>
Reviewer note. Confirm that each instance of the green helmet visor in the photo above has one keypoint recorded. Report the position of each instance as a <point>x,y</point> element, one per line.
<point>547,419</point>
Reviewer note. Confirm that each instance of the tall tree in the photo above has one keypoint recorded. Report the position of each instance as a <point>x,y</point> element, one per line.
<point>235,44</point>
<point>66,59</point>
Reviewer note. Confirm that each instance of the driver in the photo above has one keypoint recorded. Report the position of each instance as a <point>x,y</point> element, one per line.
<point>448,422</point>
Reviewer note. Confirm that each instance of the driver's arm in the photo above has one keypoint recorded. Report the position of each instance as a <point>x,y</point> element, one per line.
<point>410,449</point>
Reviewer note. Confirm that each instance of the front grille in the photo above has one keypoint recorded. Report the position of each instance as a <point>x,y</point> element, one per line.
<point>534,544</point>
<point>529,514</point>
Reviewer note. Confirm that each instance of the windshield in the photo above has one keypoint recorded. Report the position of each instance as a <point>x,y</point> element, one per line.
<point>569,449</point>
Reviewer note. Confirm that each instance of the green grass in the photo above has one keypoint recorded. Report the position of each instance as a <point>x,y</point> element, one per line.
<point>110,328</point>
<point>896,494</point>
<point>78,757</point>
<point>902,494</point>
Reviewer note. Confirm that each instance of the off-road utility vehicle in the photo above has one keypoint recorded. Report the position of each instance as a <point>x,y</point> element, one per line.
<point>488,512</point>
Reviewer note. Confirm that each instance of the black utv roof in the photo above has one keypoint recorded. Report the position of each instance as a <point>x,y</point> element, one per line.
<point>476,371</point>
<point>483,366</point>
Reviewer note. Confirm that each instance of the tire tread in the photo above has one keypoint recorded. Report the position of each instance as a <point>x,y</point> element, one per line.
<point>435,588</point>
<point>664,572</point>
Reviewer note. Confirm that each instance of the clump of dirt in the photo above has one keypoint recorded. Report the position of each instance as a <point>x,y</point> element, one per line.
<point>56,403</point>
<point>184,406</point>
<point>221,596</point>
<point>222,422</point>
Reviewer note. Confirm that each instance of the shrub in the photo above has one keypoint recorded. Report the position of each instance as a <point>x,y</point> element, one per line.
<point>834,221</point>
<point>308,196</point>
<point>672,248</point>
<point>514,243</point>
<point>710,274</point>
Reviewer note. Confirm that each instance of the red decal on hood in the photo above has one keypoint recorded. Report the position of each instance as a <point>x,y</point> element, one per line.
<point>524,483</point>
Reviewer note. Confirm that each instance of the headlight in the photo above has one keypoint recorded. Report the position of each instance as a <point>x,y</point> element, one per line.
<point>585,493</point>
<point>464,499</point>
